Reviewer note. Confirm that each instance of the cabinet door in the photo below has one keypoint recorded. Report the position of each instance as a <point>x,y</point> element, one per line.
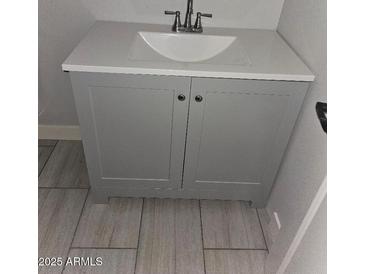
<point>237,134</point>
<point>133,128</point>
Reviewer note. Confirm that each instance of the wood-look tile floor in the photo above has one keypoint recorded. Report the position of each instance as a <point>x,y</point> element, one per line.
<point>139,236</point>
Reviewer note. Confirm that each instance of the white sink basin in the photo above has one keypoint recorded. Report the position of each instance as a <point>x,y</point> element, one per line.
<point>184,47</point>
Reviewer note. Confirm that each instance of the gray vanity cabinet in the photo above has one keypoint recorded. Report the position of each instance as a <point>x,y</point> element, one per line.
<point>182,137</point>
<point>237,134</point>
<point>133,129</point>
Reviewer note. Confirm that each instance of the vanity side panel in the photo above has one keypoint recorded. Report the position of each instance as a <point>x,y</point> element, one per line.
<point>84,113</point>
<point>133,129</point>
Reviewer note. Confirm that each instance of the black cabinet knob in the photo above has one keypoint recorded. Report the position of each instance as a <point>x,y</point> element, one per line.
<point>198,98</point>
<point>181,97</point>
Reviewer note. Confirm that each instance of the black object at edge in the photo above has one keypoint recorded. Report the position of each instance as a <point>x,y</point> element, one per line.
<point>321,109</point>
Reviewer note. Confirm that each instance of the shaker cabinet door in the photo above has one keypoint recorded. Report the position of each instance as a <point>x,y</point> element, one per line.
<point>237,133</point>
<point>133,128</point>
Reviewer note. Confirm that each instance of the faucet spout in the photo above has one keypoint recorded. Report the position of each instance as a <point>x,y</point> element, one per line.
<point>188,26</point>
<point>189,12</point>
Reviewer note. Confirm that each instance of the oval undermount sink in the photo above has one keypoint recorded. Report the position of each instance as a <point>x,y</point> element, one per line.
<point>184,47</point>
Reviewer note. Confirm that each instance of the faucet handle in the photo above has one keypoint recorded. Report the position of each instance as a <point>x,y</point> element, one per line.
<point>177,23</point>
<point>170,12</point>
<point>206,14</point>
<point>198,22</point>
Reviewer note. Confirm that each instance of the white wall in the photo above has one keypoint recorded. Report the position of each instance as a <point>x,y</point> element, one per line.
<point>62,24</point>
<point>303,25</point>
<point>233,13</point>
<point>311,255</point>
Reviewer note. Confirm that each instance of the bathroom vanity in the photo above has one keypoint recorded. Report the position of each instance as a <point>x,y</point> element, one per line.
<point>185,115</point>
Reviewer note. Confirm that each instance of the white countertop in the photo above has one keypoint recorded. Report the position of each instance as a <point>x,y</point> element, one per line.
<point>107,45</point>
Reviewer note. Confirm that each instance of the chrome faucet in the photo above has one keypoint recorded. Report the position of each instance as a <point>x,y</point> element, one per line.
<point>189,12</point>
<point>188,27</point>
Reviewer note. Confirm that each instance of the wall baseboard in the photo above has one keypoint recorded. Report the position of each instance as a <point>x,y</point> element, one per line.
<point>56,132</point>
<point>307,220</point>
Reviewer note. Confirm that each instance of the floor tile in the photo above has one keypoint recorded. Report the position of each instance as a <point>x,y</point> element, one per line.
<point>47,142</point>
<point>235,261</point>
<point>66,167</point>
<point>115,224</point>
<point>58,214</point>
<point>114,261</point>
<point>43,155</point>
<point>230,224</point>
<point>170,238</point>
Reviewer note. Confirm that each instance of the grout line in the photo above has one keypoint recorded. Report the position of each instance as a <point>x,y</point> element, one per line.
<point>262,230</point>
<point>232,248</point>
<point>104,248</point>
<point>58,187</point>
<point>139,236</point>
<point>78,222</point>
<point>56,141</point>
<point>45,163</point>
<point>42,145</point>
<point>77,226</point>
<point>201,232</point>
